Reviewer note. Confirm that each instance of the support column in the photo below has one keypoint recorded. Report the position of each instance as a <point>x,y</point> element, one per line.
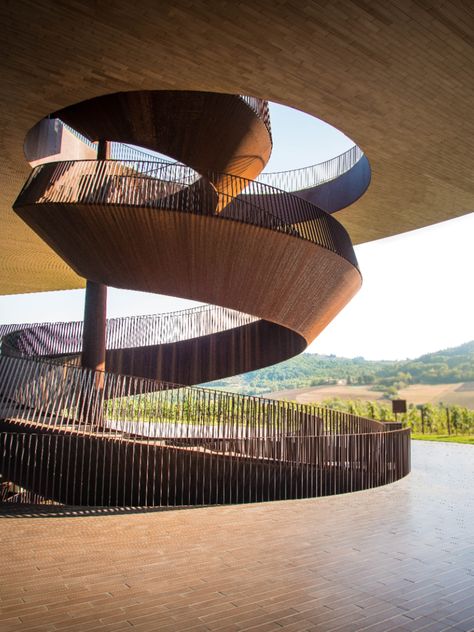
<point>95,310</point>
<point>103,149</point>
<point>95,318</point>
<point>91,403</point>
<point>91,409</point>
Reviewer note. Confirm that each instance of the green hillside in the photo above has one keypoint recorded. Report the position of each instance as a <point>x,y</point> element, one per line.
<point>309,369</point>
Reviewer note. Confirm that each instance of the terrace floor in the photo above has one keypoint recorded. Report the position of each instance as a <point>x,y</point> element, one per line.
<point>394,558</point>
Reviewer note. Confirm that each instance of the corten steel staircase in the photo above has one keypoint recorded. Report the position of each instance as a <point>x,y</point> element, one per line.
<point>275,270</point>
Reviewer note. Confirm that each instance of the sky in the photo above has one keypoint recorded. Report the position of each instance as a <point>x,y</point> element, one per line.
<point>417,295</point>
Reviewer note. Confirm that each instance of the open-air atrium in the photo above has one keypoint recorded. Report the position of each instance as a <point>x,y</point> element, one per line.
<point>134,145</point>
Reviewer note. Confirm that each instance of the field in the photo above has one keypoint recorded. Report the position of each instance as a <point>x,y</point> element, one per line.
<point>467,439</point>
<point>461,394</point>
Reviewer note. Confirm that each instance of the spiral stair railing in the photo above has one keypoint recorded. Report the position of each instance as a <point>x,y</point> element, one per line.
<point>276,267</point>
<point>60,339</point>
<point>313,175</point>
<point>156,184</point>
<point>160,444</point>
<point>290,180</point>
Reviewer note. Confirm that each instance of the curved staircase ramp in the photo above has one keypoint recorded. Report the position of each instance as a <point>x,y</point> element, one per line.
<point>275,269</point>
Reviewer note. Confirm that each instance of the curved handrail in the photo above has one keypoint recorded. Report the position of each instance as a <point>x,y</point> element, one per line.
<point>118,151</point>
<point>141,442</point>
<point>122,151</point>
<point>313,175</point>
<point>125,436</point>
<point>153,186</point>
<point>261,109</point>
<point>291,180</point>
<point>253,416</point>
<point>81,137</point>
<point>161,185</point>
<point>287,180</point>
<point>57,339</point>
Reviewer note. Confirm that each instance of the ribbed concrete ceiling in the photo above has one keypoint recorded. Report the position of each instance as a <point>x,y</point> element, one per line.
<point>394,77</point>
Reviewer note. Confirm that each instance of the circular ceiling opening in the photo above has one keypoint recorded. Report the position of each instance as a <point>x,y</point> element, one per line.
<point>301,140</point>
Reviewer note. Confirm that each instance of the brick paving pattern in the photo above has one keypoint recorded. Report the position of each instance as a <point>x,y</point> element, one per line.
<point>394,558</point>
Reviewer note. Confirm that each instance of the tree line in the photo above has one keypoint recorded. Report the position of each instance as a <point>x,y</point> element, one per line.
<point>388,377</point>
<point>426,418</point>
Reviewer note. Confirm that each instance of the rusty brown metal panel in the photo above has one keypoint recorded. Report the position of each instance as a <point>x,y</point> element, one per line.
<point>280,267</point>
<point>159,444</point>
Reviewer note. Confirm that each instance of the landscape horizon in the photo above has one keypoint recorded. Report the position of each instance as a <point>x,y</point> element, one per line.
<point>444,376</point>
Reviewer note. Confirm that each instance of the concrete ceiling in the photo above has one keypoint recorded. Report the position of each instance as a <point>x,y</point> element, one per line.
<point>395,77</point>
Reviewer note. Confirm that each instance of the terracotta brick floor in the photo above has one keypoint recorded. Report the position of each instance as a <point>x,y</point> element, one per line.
<point>394,558</point>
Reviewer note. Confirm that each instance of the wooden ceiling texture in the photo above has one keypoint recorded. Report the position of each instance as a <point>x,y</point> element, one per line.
<point>396,77</point>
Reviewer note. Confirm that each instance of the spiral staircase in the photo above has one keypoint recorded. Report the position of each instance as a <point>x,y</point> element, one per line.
<point>274,270</point>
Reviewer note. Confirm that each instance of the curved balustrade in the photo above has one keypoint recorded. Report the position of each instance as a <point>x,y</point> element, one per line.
<point>60,339</point>
<point>313,175</point>
<point>122,151</point>
<point>80,136</point>
<point>173,186</point>
<point>274,268</point>
<point>140,442</point>
<point>290,180</point>
<point>261,109</point>
<point>332,184</point>
<point>91,186</point>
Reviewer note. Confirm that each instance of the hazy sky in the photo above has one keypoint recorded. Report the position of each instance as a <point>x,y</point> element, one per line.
<point>417,296</point>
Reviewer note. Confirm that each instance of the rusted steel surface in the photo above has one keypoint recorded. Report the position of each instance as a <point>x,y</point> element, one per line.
<point>188,347</point>
<point>175,187</point>
<point>279,267</point>
<point>331,185</point>
<point>222,133</point>
<point>158,444</point>
<point>152,226</point>
<point>95,319</point>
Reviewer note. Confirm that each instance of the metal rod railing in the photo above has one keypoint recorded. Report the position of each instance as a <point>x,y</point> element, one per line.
<point>138,441</point>
<point>59,339</point>
<point>72,435</point>
<point>178,188</point>
<point>314,175</point>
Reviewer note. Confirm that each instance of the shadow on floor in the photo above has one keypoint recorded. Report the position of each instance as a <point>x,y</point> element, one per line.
<point>11,510</point>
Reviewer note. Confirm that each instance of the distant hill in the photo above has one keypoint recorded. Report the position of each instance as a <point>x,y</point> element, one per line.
<point>459,394</point>
<point>387,378</point>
